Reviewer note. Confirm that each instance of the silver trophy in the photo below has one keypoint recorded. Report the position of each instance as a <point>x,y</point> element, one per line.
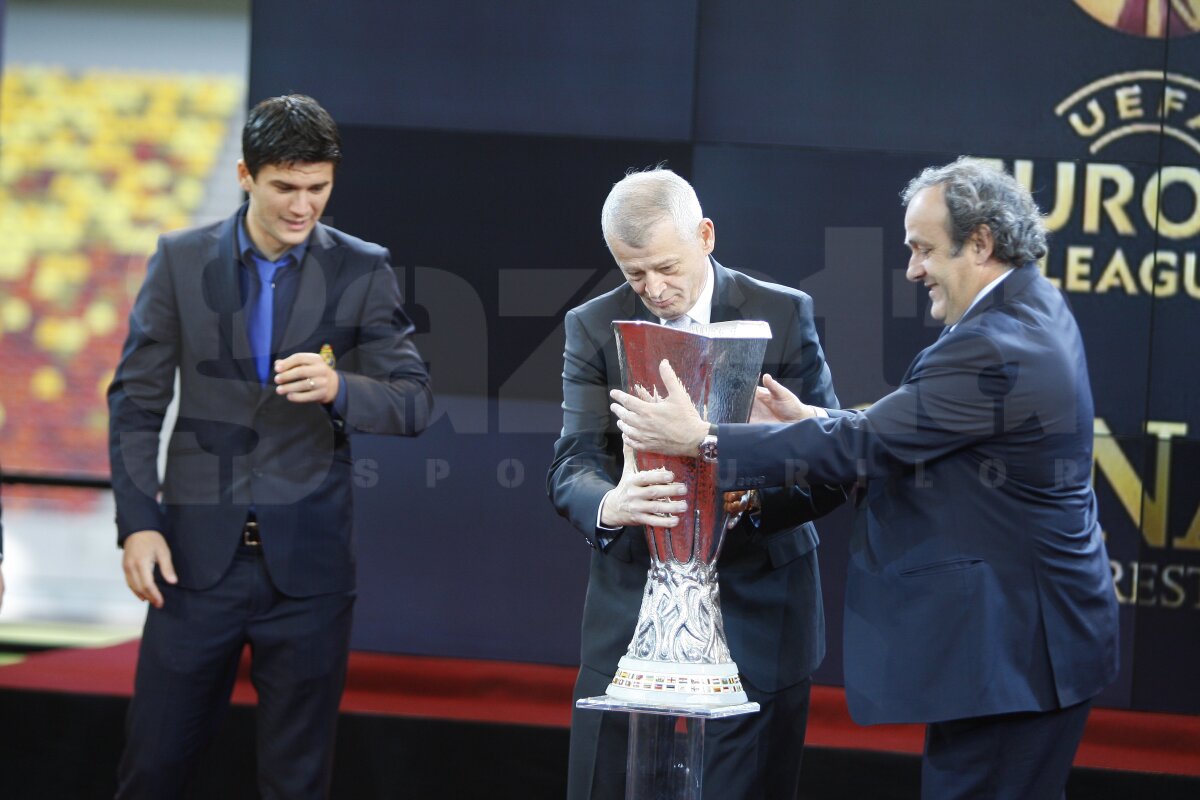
<point>678,655</point>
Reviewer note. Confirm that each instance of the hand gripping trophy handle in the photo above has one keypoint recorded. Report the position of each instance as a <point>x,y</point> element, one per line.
<point>678,655</point>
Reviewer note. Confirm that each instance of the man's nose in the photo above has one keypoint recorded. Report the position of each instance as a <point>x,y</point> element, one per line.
<point>915,271</point>
<point>654,286</point>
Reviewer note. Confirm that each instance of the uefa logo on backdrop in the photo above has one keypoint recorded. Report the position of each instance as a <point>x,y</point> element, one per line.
<point>1154,19</point>
<point>1147,100</point>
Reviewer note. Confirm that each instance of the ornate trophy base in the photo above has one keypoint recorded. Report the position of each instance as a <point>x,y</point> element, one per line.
<point>660,683</point>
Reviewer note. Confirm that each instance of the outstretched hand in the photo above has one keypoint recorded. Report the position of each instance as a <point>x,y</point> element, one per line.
<point>774,402</point>
<point>669,425</point>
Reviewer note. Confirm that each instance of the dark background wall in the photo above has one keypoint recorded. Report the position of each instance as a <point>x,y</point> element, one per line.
<point>481,140</point>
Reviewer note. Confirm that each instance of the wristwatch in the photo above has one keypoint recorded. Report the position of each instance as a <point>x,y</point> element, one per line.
<point>708,445</point>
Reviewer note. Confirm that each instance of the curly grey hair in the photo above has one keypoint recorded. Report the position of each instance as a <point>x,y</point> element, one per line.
<point>977,193</point>
<point>641,200</point>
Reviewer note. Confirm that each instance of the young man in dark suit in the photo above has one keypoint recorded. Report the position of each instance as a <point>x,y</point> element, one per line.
<point>287,336</point>
<point>770,588</point>
<point>979,598</point>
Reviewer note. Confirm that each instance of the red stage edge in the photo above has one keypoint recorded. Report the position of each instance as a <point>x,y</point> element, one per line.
<point>540,695</point>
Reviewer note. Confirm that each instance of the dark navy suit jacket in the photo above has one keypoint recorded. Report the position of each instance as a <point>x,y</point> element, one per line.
<point>770,587</point>
<point>237,444</point>
<point>978,581</point>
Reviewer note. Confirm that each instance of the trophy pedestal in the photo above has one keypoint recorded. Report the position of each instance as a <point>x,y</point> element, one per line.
<point>666,746</point>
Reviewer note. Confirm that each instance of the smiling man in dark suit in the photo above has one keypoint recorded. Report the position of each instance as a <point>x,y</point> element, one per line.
<point>770,588</point>
<point>287,336</point>
<point>979,598</point>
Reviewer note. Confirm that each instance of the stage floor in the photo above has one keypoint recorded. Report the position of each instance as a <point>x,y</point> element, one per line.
<point>511,718</point>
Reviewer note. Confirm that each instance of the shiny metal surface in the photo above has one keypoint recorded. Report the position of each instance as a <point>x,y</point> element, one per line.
<point>680,618</point>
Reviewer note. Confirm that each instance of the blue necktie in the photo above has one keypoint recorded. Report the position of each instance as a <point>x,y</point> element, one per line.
<point>262,314</point>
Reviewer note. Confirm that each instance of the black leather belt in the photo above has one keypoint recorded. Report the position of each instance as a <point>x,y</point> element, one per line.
<point>250,537</point>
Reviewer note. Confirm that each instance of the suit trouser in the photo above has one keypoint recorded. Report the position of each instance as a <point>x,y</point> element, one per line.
<point>752,756</point>
<point>187,665</point>
<point>1023,756</point>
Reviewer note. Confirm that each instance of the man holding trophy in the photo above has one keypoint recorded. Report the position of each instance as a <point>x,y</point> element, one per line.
<point>770,588</point>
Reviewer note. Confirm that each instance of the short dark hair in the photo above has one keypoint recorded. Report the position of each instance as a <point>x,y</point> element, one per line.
<point>289,129</point>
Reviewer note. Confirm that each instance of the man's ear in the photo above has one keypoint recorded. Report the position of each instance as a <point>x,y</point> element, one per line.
<point>243,175</point>
<point>982,243</point>
<point>708,235</point>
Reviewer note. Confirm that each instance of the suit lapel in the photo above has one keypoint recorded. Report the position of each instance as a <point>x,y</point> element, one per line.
<point>224,297</point>
<point>1005,290</point>
<point>727,299</point>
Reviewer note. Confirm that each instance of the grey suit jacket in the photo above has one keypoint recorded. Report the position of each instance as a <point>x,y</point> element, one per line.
<point>770,587</point>
<point>237,444</point>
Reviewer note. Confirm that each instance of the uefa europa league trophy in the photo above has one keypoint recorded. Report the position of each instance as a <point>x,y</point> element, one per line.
<point>679,656</point>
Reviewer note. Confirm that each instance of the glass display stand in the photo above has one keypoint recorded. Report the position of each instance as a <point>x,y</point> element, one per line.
<point>666,746</point>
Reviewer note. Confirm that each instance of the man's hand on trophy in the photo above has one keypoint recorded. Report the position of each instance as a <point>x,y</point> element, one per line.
<point>738,503</point>
<point>741,502</point>
<point>774,402</point>
<point>643,498</point>
<point>669,425</point>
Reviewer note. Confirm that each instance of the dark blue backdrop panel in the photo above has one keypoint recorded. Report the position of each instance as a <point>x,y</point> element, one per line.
<point>1163,590</point>
<point>621,69</point>
<point>496,237</point>
<point>830,224</point>
<point>1174,390</point>
<point>460,552</point>
<point>1173,393</point>
<point>935,77</point>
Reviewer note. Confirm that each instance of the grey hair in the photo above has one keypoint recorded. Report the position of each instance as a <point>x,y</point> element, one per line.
<point>978,193</point>
<point>641,200</point>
